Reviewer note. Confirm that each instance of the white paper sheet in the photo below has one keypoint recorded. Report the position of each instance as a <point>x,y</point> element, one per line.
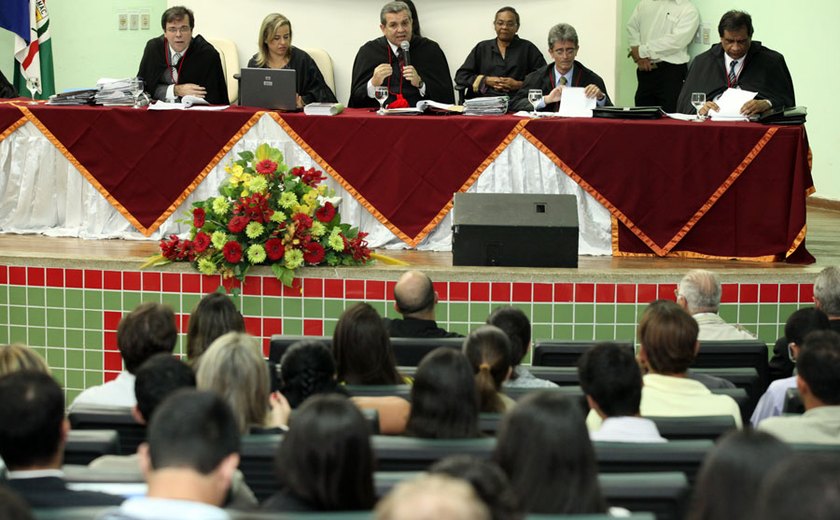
<point>574,103</point>
<point>730,103</point>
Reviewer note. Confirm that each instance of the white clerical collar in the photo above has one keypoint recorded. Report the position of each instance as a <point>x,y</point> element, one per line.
<point>568,75</point>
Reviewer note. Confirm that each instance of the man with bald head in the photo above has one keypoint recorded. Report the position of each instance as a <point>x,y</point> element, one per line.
<point>699,294</point>
<point>415,298</point>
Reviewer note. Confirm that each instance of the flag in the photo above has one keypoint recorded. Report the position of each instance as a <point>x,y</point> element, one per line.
<point>30,22</point>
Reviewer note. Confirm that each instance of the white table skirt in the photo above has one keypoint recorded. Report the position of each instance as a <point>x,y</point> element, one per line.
<point>41,192</point>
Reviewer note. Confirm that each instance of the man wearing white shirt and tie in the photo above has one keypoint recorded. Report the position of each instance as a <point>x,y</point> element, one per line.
<point>738,62</point>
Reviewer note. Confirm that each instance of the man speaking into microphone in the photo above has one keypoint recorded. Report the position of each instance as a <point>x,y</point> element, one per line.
<point>412,67</point>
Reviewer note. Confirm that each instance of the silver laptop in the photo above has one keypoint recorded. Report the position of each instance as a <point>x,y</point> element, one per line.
<point>268,88</point>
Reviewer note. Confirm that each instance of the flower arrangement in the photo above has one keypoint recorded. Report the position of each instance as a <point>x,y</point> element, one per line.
<point>267,214</point>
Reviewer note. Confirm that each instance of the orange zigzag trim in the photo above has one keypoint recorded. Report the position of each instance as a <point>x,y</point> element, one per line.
<point>14,126</point>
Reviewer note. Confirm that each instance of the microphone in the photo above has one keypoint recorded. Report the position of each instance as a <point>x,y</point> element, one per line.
<point>404,45</point>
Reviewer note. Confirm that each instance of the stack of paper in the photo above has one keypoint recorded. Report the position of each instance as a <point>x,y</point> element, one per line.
<point>73,97</point>
<point>730,103</point>
<point>118,92</point>
<point>486,106</point>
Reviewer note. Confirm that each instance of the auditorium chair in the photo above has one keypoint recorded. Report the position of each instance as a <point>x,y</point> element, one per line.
<point>793,402</point>
<point>745,403</point>
<point>324,62</point>
<point>701,427</point>
<point>732,354</point>
<point>83,446</point>
<point>119,418</point>
<point>230,65</point>
<point>412,454</point>
<point>559,353</point>
<point>279,344</point>
<point>633,457</point>
<point>407,351</point>
<point>664,494</point>
<point>403,391</point>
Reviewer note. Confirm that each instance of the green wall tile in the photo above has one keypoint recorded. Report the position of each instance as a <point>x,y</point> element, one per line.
<point>189,302</point>
<point>768,313</point>
<point>292,327</point>
<point>71,394</point>
<point>173,300</point>
<point>479,312</point>
<point>292,308</point>
<point>785,310</point>
<point>583,332</point>
<point>93,378</point>
<point>75,379</point>
<point>55,337</point>
<point>584,313</point>
<point>75,359</point>
<point>17,334</point>
<point>769,333</point>
<point>542,313</point>
<point>17,315</point>
<point>459,312</point>
<point>59,374</point>
<point>73,299</point>
<point>729,313</point>
<point>4,295</point>
<point>441,311</point>
<point>563,332</point>
<point>74,319</point>
<point>36,296</point>
<point>252,306</point>
<point>460,328</point>
<point>131,300</point>
<point>272,307</point>
<point>93,338</point>
<point>93,359</point>
<point>541,331</point>
<point>333,308</point>
<point>4,335</point>
<point>313,308</point>
<point>93,320</point>
<point>55,358</point>
<point>55,318</point>
<point>380,307</point>
<point>37,336</point>
<point>747,314</point>
<point>36,317</point>
<point>605,314</point>
<point>154,297</point>
<point>564,313</point>
<point>74,338</point>
<point>605,332</point>
<point>17,295</point>
<point>625,313</point>
<point>625,333</point>
<point>55,298</point>
<point>329,327</point>
<point>112,301</point>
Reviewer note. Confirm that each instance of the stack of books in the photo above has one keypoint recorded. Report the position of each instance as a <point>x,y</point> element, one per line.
<point>74,97</point>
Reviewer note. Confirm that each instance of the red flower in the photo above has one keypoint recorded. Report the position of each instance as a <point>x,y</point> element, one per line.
<point>237,224</point>
<point>310,177</point>
<point>266,167</point>
<point>358,246</point>
<point>232,252</point>
<point>303,222</point>
<point>325,213</point>
<point>274,248</point>
<point>199,216</point>
<point>177,249</point>
<point>256,208</point>
<point>313,253</point>
<point>201,242</point>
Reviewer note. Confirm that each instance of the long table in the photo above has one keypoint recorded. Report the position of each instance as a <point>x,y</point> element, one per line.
<point>664,187</point>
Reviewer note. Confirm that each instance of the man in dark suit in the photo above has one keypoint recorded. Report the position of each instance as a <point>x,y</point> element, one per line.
<point>565,71</point>
<point>415,298</point>
<point>33,431</point>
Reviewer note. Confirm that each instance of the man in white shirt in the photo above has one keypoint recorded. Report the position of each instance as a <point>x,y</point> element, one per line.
<point>147,330</point>
<point>612,381</point>
<point>659,32</point>
<point>699,294</point>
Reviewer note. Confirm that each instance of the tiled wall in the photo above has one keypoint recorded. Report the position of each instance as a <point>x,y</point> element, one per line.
<point>70,316</point>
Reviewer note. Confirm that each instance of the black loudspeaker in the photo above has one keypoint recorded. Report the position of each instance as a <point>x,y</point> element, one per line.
<point>516,230</point>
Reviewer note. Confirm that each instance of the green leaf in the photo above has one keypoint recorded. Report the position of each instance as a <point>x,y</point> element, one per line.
<point>247,155</point>
<point>284,274</point>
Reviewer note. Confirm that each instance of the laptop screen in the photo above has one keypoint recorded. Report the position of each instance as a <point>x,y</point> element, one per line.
<point>268,88</point>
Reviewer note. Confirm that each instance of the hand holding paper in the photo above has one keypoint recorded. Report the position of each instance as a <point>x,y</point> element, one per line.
<point>575,103</point>
<point>730,103</point>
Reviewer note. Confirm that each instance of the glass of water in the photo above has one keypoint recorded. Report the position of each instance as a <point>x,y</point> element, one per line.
<point>381,94</point>
<point>698,99</point>
<point>534,97</point>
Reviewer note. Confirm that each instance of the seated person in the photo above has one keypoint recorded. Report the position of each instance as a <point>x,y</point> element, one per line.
<point>432,496</point>
<point>215,314</point>
<point>516,326</point>
<point>33,431</point>
<point>147,330</point>
<point>565,70</point>
<point>667,347</point>
<point>818,382</point>
<point>612,382</point>
<point>362,349</point>
<point>422,74</point>
<point>498,67</point>
<point>277,52</point>
<point>487,479</point>
<point>17,357</point>
<point>415,298</point>
<point>804,485</point>
<point>738,62</point>
<point>488,350</point>
<point>699,294</point>
<point>798,327</point>
<point>177,64</point>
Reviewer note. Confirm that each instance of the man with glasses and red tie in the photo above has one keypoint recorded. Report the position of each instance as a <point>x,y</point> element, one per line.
<point>738,62</point>
<point>564,71</point>
<point>179,64</point>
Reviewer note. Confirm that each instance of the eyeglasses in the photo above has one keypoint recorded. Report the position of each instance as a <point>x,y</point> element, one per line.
<point>175,30</point>
<point>568,51</point>
<point>509,25</point>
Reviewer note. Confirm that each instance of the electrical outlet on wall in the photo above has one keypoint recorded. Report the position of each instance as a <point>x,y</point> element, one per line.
<point>122,21</point>
<point>145,20</point>
<point>134,21</point>
<point>703,35</point>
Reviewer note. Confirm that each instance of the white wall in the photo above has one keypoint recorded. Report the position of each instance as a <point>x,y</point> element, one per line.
<point>342,26</point>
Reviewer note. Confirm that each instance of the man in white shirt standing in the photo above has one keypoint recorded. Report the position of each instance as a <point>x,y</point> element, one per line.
<point>699,294</point>
<point>659,32</point>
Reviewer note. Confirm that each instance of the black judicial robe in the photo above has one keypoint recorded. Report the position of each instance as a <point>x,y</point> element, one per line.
<point>311,85</point>
<point>543,79</point>
<point>425,55</point>
<point>765,72</point>
<point>203,66</point>
<point>7,90</point>
<point>521,58</point>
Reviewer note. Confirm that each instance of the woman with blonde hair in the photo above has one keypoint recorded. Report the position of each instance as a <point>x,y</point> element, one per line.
<point>17,357</point>
<point>277,52</point>
<point>233,368</point>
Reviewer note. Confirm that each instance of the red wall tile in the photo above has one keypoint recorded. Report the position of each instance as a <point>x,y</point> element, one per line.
<point>151,281</point>
<point>584,292</point>
<point>73,278</point>
<point>459,292</point>
<point>666,291</point>
<point>272,287</point>
<point>748,293</point>
<point>522,292</point>
<point>375,290</point>
<point>191,283</point>
<point>112,280</point>
<point>354,289</point>
<point>313,327</point>
<point>500,292</point>
<point>442,289</point>
<point>132,281</point>
<point>253,326</point>
<point>35,276</point>
<point>334,288</point>
<point>272,326</point>
<point>543,292</point>
<point>112,361</point>
<point>564,292</point>
<point>479,291</point>
<point>768,293</point>
<point>806,293</point>
<point>4,274</point>
<point>647,292</point>
<point>171,282</point>
<point>788,293</point>
<point>729,293</point>
<point>605,293</point>
<point>93,279</point>
<point>625,293</point>
<point>111,320</point>
<point>313,288</point>
<point>253,286</point>
<point>55,277</point>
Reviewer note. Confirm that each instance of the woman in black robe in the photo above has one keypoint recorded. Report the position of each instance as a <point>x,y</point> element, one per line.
<point>276,52</point>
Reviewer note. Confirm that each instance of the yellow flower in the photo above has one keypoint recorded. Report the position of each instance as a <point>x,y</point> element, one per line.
<point>278,216</point>
<point>219,239</point>
<point>318,229</point>
<point>221,206</point>
<point>207,266</point>
<point>258,184</point>
<point>336,242</point>
<point>303,208</point>
<point>293,258</point>
<point>254,230</point>
<point>288,200</point>
<point>322,189</point>
<point>310,197</point>
<point>256,253</point>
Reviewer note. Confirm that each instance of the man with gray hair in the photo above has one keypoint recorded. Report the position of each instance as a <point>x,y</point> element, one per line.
<point>411,67</point>
<point>564,71</point>
<point>699,294</point>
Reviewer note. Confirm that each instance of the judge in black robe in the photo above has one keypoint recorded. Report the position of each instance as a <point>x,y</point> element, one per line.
<point>311,86</point>
<point>200,64</point>
<point>7,90</point>
<point>543,79</point>
<point>764,72</point>
<point>521,58</point>
<point>426,57</point>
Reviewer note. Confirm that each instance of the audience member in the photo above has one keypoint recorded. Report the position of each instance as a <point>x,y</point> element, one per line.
<point>432,497</point>
<point>515,324</point>
<point>565,70</point>
<point>234,369</point>
<point>142,333</point>
<point>806,485</point>
<point>189,460</point>
<point>415,298</point>
<point>12,506</point>
<point>798,327</point>
<point>422,74</point>
<point>362,349</point>
<point>818,381</point>
<point>612,382</point>
<point>826,299</point>
<point>325,461</point>
<point>668,345</point>
<point>498,67</point>
<point>544,448</point>
<point>178,64</point>
<point>33,431</point>
<point>738,62</point>
<point>307,368</point>
<point>699,294</point>
<point>444,398</point>
<point>277,52</point>
<point>488,350</point>
<point>732,473</point>
<point>214,315</point>
<point>17,357</point>
<point>487,480</point>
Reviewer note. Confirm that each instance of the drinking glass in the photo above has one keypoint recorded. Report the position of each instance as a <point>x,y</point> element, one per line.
<point>137,92</point>
<point>381,94</point>
<point>534,97</point>
<point>698,99</point>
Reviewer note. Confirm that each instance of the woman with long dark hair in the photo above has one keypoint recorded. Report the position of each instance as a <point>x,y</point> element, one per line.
<point>489,352</point>
<point>362,349</point>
